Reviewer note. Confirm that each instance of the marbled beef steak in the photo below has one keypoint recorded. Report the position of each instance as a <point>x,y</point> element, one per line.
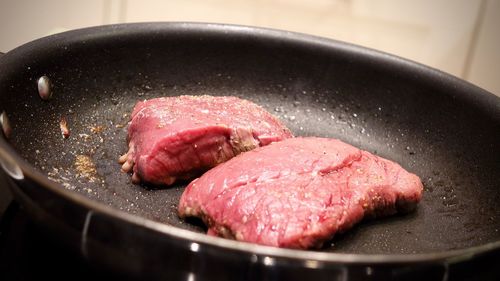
<point>298,193</point>
<point>180,137</point>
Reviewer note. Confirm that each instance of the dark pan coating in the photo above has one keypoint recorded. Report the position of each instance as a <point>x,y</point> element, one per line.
<point>443,136</point>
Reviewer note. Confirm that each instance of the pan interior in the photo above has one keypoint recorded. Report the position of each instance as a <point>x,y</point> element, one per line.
<point>322,91</point>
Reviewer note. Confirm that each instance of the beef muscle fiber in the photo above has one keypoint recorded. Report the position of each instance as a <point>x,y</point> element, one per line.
<point>180,137</point>
<point>298,193</point>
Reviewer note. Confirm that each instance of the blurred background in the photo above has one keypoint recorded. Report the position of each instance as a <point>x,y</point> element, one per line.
<point>459,37</point>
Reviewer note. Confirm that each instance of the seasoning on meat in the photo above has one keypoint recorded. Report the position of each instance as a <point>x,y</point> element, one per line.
<point>298,193</point>
<point>180,137</point>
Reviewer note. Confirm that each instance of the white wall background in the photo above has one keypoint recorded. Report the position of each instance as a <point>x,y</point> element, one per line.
<point>457,36</point>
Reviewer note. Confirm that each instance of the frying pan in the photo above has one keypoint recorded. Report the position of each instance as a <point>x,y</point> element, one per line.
<point>445,130</point>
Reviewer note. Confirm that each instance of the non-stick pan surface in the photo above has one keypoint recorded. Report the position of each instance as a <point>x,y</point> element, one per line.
<point>442,129</point>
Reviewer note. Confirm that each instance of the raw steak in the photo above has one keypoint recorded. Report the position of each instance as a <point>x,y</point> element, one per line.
<point>174,138</point>
<point>298,193</point>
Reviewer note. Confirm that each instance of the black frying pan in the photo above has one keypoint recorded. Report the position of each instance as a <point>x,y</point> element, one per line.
<point>441,128</point>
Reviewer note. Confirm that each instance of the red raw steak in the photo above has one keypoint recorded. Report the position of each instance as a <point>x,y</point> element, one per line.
<point>298,193</point>
<point>180,137</point>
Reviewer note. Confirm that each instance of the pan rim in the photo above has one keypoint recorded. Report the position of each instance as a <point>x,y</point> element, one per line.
<point>472,93</point>
<point>449,257</point>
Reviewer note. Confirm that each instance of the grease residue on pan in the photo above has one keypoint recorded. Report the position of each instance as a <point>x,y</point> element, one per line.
<point>313,92</point>
<point>86,162</point>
